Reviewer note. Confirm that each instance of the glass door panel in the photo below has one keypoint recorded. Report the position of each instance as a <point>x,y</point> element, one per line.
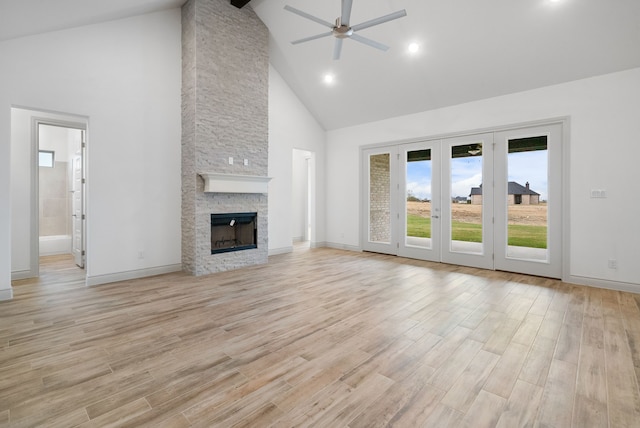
<point>467,201</point>
<point>420,201</point>
<point>379,198</point>
<point>527,195</point>
<point>528,200</point>
<point>379,174</point>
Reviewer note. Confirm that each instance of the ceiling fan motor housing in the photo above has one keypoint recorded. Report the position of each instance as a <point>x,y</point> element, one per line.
<point>342,32</point>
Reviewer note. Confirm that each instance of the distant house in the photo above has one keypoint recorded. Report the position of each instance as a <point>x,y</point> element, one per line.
<point>460,200</point>
<point>518,194</point>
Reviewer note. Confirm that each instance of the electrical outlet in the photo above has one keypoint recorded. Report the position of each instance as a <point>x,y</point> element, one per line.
<point>230,160</point>
<point>613,264</point>
<point>141,254</point>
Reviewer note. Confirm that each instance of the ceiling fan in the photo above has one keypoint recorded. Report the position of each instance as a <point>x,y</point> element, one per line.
<point>343,30</point>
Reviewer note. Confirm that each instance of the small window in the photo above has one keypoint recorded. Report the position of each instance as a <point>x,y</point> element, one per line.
<point>45,158</point>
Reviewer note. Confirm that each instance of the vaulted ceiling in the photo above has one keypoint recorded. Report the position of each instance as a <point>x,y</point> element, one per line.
<point>469,49</point>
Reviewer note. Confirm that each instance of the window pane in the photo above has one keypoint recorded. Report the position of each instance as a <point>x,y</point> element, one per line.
<point>527,196</point>
<point>418,179</point>
<point>45,158</point>
<point>466,198</point>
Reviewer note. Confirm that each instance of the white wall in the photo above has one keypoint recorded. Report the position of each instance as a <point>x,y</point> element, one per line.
<point>291,126</point>
<point>125,76</point>
<point>604,136</point>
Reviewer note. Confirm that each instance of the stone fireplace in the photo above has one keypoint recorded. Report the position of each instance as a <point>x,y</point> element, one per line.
<point>224,130</point>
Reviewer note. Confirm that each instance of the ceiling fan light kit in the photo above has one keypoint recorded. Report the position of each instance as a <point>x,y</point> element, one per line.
<point>343,30</point>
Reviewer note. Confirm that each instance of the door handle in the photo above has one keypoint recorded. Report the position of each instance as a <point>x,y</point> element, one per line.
<point>435,216</point>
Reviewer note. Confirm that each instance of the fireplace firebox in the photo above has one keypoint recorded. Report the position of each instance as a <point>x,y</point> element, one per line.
<point>233,232</point>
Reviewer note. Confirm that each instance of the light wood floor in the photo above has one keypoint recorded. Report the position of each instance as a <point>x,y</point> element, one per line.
<point>322,338</point>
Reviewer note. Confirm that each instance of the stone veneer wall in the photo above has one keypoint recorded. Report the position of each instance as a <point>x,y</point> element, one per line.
<point>225,81</point>
<point>379,194</point>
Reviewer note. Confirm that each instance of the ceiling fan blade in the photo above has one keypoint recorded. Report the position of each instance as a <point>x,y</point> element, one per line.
<point>337,48</point>
<point>381,20</point>
<point>308,39</point>
<point>369,42</point>
<point>306,15</point>
<point>346,12</point>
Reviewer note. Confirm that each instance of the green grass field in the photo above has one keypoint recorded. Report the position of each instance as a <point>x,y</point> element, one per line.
<point>519,235</point>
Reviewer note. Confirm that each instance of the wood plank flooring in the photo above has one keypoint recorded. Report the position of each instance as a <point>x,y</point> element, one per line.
<point>319,337</point>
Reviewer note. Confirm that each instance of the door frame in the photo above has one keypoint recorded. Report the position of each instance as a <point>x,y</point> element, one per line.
<point>552,266</point>
<point>484,259</point>
<point>36,121</point>
<point>433,253</point>
<point>379,247</point>
<point>565,124</point>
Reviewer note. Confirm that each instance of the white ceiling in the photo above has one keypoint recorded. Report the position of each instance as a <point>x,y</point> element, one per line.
<point>470,49</point>
<point>27,17</point>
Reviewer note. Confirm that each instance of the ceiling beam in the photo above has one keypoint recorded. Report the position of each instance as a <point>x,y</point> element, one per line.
<point>239,3</point>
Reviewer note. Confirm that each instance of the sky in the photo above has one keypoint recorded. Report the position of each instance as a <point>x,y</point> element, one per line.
<point>467,173</point>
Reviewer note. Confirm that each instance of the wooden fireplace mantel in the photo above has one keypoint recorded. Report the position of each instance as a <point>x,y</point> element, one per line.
<point>233,183</point>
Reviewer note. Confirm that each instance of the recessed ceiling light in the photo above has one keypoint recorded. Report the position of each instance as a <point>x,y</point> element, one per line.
<point>413,48</point>
<point>328,78</point>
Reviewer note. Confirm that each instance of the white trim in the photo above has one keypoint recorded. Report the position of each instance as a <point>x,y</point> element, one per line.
<point>6,294</point>
<point>132,274</point>
<point>233,183</point>
<point>278,251</point>
<point>341,247</point>
<point>22,274</point>
<point>566,205</point>
<point>320,244</point>
<point>604,283</point>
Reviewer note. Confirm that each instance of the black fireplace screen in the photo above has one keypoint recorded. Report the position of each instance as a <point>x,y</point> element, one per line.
<point>233,232</point>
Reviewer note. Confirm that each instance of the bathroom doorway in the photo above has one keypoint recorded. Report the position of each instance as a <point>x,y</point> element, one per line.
<point>61,190</point>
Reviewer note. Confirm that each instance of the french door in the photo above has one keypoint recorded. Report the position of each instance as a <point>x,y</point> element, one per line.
<point>528,215</point>
<point>380,172</point>
<point>490,200</point>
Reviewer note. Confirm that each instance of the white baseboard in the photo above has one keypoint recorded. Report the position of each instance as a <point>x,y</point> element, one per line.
<point>132,274</point>
<point>283,250</point>
<point>603,283</point>
<point>342,246</point>
<point>6,294</point>
<point>22,274</point>
<point>297,238</point>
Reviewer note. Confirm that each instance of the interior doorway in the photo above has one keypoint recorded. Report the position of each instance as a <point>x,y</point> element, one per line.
<point>303,198</point>
<point>490,200</point>
<point>61,190</point>
<point>45,149</point>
